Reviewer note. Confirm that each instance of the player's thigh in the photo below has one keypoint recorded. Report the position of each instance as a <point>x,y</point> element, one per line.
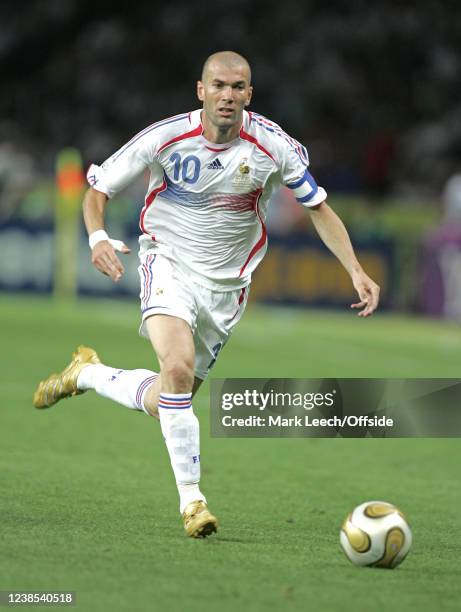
<point>172,339</point>
<point>168,309</point>
<point>219,314</point>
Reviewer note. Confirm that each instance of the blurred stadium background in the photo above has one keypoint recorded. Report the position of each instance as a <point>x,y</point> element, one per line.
<point>372,90</point>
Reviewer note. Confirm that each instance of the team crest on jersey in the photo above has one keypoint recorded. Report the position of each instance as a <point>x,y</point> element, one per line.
<point>242,178</point>
<point>244,168</point>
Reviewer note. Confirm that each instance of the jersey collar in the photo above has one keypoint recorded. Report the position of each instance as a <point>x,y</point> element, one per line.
<point>195,120</point>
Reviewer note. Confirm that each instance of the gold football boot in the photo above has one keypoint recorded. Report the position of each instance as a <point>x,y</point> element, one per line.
<point>198,520</point>
<point>58,386</point>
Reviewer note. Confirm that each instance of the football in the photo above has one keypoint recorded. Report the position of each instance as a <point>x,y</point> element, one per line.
<point>376,534</point>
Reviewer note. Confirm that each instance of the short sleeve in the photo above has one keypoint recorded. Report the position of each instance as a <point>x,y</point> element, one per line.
<point>122,167</point>
<point>297,177</point>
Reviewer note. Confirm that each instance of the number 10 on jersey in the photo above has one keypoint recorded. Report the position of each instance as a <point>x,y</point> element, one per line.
<point>188,168</point>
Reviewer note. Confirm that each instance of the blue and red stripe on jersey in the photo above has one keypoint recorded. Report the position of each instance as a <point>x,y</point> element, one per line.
<point>148,129</point>
<point>237,202</point>
<point>146,269</point>
<point>270,126</point>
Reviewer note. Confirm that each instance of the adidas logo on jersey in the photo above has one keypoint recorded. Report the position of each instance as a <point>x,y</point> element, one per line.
<point>215,165</point>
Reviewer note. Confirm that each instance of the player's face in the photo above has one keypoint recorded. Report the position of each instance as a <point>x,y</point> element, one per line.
<point>225,91</point>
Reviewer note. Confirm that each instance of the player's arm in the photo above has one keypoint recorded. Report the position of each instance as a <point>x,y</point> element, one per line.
<point>293,163</point>
<point>103,255</point>
<point>105,181</point>
<point>334,234</point>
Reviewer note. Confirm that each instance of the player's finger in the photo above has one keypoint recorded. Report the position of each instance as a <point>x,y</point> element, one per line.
<point>369,309</point>
<point>365,312</point>
<point>115,262</point>
<point>372,301</point>
<point>100,268</point>
<point>115,270</point>
<point>359,304</point>
<point>120,246</point>
<point>111,265</point>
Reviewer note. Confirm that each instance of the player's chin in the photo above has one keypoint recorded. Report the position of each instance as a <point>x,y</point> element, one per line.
<point>222,121</point>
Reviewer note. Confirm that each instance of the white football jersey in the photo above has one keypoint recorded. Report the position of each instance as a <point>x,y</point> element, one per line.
<point>206,203</point>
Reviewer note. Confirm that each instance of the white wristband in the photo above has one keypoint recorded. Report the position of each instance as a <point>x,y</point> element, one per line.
<point>97,236</point>
<point>100,235</point>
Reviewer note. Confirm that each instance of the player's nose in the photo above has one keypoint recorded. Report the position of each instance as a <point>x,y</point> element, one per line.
<point>228,93</point>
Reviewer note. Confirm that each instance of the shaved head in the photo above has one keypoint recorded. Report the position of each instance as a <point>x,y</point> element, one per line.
<point>228,59</point>
<point>225,90</point>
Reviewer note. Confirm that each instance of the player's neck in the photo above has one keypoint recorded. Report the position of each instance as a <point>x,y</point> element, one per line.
<point>219,135</point>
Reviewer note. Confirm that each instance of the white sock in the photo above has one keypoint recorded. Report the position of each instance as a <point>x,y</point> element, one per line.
<point>187,494</point>
<point>180,428</point>
<point>127,387</point>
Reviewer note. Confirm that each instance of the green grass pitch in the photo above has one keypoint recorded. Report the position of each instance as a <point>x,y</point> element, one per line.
<point>88,501</point>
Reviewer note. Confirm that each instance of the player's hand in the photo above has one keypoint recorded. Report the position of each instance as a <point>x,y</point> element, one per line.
<point>105,259</point>
<point>368,292</point>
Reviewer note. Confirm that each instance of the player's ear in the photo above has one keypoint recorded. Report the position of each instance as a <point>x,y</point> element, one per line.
<point>200,91</point>
<point>250,93</point>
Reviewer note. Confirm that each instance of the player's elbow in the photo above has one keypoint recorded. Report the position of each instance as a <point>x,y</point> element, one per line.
<point>94,199</point>
<point>98,195</point>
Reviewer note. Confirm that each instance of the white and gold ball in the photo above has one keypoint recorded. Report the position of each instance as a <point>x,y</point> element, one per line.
<point>376,534</point>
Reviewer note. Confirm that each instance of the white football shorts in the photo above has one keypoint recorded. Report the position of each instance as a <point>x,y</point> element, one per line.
<point>212,315</point>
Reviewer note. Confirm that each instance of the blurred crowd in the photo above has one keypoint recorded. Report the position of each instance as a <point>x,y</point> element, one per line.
<point>371,88</point>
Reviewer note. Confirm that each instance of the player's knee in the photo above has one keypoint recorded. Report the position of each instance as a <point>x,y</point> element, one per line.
<point>178,375</point>
<point>151,404</point>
